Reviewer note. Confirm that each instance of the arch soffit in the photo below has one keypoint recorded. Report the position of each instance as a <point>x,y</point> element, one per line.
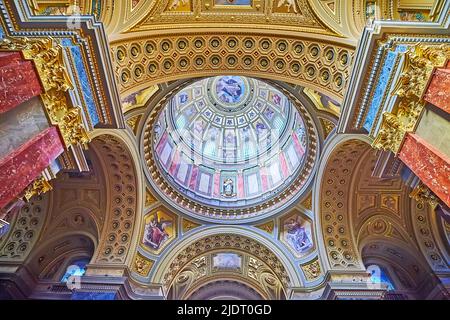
<point>335,237</point>
<point>170,256</point>
<point>320,65</point>
<point>113,232</point>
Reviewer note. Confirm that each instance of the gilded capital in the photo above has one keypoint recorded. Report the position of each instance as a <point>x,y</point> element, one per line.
<point>48,59</point>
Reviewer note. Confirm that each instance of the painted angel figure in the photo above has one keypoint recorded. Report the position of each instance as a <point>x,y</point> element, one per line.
<point>155,232</point>
<point>290,4</point>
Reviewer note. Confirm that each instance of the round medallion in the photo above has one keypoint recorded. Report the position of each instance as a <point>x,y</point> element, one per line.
<point>230,93</point>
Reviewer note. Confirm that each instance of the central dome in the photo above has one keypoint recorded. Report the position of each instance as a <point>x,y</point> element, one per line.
<point>231,122</point>
<point>230,143</point>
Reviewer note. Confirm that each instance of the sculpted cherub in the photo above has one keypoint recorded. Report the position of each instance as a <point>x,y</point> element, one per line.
<point>290,4</point>
<point>174,4</point>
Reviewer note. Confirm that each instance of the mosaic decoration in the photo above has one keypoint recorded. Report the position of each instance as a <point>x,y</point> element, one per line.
<point>384,82</point>
<point>230,140</point>
<point>83,78</point>
<point>230,90</point>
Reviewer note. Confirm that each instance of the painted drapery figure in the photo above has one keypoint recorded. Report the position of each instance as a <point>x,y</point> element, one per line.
<point>297,235</point>
<point>155,233</point>
<point>228,188</point>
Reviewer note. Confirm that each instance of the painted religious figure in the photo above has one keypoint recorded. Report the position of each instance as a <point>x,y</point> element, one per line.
<point>183,97</point>
<point>297,235</point>
<point>230,89</point>
<point>228,188</point>
<point>276,98</point>
<point>155,233</point>
<point>227,261</point>
<point>232,2</point>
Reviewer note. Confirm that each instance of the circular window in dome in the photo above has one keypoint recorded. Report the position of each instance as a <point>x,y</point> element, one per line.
<point>229,148</point>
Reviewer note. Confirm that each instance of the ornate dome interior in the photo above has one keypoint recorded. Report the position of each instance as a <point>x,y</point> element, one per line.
<point>230,143</point>
<point>219,149</point>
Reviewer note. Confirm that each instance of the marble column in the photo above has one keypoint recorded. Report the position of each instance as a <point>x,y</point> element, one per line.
<point>18,80</point>
<point>430,165</point>
<point>438,92</point>
<point>24,164</point>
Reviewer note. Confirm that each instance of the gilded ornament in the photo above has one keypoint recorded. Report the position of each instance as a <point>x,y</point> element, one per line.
<point>48,59</point>
<point>422,194</point>
<point>420,62</point>
<point>189,225</point>
<point>142,265</point>
<point>390,135</point>
<point>327,126</point>
<point>37,187</point>
<point>312,270</point>
<point>267,227</point>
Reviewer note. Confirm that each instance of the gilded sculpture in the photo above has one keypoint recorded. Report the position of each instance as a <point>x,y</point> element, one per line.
<point>420,62</point>
<point>37,187</point>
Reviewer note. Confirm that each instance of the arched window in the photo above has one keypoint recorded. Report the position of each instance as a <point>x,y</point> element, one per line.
<point>379,275</point>
<point>76,268</point>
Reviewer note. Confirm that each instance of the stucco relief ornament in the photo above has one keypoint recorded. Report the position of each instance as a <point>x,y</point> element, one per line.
<point>37,187</point>
<point>391,133</point>
<point>422,194</point>
<point>290,4</point>
<point>174,4</point>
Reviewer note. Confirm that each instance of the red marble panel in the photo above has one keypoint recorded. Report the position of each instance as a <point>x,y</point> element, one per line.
<point>240,185</point>
<point>216,185</point>
<point>19,168</point>
<point>18,81</point>
<point>430,165</point>
<point>11,57</point>
<point>264,181</point>
<point>438,92</point>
